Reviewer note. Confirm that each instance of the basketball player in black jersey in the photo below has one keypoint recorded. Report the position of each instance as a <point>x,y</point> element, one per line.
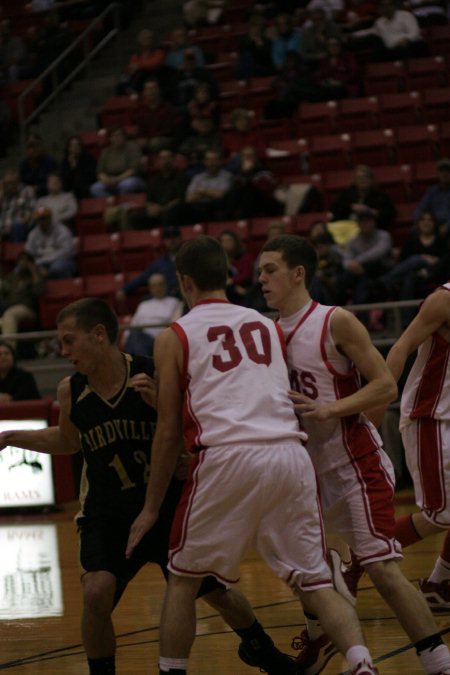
<point>107,411</point>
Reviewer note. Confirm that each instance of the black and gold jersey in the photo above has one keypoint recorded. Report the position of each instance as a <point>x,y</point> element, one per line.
<point>116,437</point>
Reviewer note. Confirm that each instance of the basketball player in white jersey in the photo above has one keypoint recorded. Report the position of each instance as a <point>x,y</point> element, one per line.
<point>425,429</point>
<point>328,350</point>
<point>223,383</point>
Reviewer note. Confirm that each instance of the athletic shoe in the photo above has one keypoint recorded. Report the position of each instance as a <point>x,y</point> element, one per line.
<point>436,595</point>
<point>269,660</point>
<point>364,668</point>
<point>313,654</point>
<point>345,577</point>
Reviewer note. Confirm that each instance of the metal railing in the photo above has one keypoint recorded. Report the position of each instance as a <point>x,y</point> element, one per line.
<point>52,72</point>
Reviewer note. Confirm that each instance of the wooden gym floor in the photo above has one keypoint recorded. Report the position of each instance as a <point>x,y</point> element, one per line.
<point>51,644</point>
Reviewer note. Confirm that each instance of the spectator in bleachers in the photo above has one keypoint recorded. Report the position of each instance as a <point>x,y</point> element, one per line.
<point>160,308</point>
<point>255,51</point>
<point>119,166</point>
<point>166,190</point>
<point>203,12</point>
<point>252,188</point>
<point>179,43</point>
<point>146,61</point>
<point>52,246</point>
<point>365,258</point>
<point>240,267</point>
<point>17,203</point>
<point>78,168</point>
<point>329,267</point>
<point>429,12</point>
<point>294,83</point>
<point>331,8</point>
<point>36,165</point>
<point>419,259</point>
<point>358,14</point>
<point>242,134</point>
<point>396,33</point>
<point>154,117</point>
<point>204,137</point>
<point>184,82</point>
<point>164,265</point>
<point>5,124</point>
<point>287,39</point>
<point>16,384</point>
<point>437,198</point>
<point>62,204</point>
<point>203,104</point>
<point>313,45</point>
<point>338,74</point>
<point>364,193</point>
<point>48,43</point>
<point>205,194</point>
<point>13,54</point>
<point>19,294</point>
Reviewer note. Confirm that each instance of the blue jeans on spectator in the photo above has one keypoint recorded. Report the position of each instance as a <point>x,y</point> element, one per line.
<point>125,186</point>
<point>139,343</point>
<point>61,268</point>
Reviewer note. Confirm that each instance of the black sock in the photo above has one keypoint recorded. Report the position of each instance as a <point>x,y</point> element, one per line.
<point>174,671</point>
<point>430,642</point>
<point>103,666</point>
<point>255,636</point>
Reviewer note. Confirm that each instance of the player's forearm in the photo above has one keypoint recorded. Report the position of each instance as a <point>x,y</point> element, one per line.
<point>166,449</point>
<point>379,392</point>
<point>48,441</point>
<point>396,359</point>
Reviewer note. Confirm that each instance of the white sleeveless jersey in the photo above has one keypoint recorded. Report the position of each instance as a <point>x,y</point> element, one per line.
<point>235,378</point>
<point>427,389</point>
<point>319,371</point>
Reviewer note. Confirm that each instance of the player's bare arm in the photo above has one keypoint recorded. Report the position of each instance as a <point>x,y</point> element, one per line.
<point>352,340</point>
<point>433,316</point>
<point>168,440</point>
<point>63,439</point>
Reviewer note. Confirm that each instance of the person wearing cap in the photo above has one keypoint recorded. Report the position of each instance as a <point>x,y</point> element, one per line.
<point>52,245</point>
<point>436,199</point>
<point>364,258</point>
<point>164,265</point>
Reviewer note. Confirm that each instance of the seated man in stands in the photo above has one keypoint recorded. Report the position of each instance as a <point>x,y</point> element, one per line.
<point>155,119</point>
<point>364,259</point>
<point>206,192</point>
<point>159,310</point>
<point>52,245</point>
<point>436,199</point>
<point>164,265</point>
<point>118,167</point>
<point>36,165</point>
<point>62,204</point>
<point>19,294</point>
<point>16,384</point>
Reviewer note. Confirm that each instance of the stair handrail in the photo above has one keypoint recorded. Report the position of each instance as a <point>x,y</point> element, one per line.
<point>24,121</point>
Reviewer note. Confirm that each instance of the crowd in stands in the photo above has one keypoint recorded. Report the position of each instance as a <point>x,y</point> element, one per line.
<point>196,140</point>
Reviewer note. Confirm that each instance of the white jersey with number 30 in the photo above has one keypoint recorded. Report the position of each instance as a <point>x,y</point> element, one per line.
<point>235,377</point>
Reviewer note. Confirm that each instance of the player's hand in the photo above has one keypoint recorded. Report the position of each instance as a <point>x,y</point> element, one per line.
<point>143,523</point>
<point>308,407</point>
<point>146,386</point>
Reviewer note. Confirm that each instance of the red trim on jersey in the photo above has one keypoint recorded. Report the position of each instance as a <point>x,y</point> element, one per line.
<point>431,383</point>
<point>323,351</point>
<point>192,429</point>
<point>282,341</point>
<point>302,320</point>
<point>430,463</point>
<point>179,527</point>
<point>185,345</point>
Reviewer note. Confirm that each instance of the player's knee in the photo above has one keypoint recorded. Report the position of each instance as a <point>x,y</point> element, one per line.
<point>98,595</point>
<point>385,575</point>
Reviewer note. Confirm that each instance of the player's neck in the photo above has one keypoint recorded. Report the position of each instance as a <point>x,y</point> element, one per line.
<point>202,296</point>
<point>294,303</point>
<point>109,375</point>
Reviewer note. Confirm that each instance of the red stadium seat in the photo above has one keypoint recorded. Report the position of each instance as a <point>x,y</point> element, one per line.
<point>97,253</point>
<point>426,72</point>
<point>329,152</point>
<point>373,147</point>
<point>383,78</point>
<point>417,141</point>
<point>357,114</point>
<point>137,249</point>
<point>397,109</point>
<point>58,294</point>
<point>316,118</point>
